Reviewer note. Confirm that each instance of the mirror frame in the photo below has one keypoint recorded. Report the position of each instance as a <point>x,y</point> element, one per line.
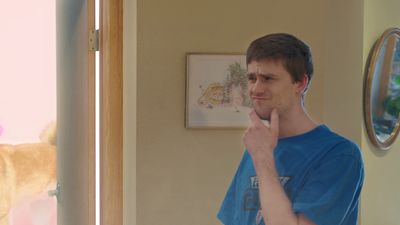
<point>367,94</point>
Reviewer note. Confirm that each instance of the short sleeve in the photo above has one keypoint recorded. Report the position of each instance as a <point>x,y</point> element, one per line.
<point>227,212</point>
<point>330,193</point>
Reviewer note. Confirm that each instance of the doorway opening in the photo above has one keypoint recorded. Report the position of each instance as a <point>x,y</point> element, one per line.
<point>27,112</point>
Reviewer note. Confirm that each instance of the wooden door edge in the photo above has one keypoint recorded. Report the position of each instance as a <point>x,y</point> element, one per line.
<point>111,112</point>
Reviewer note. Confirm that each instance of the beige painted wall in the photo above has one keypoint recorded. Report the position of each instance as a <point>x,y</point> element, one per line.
<point>182,174</point>
<point>343,67</point>
<point>380,198</point>
<point>129,111</point>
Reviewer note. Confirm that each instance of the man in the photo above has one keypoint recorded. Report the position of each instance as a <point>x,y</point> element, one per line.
<point>293,171</point>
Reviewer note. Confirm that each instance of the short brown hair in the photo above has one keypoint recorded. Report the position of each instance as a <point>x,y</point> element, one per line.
<point>294,53</point>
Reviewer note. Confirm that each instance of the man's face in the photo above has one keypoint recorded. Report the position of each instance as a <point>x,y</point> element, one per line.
<point>271,86</point>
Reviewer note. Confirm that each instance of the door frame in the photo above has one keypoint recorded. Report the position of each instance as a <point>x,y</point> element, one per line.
<point>111,112</point>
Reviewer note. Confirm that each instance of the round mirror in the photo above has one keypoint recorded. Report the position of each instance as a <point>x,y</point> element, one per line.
<point>382,90</point>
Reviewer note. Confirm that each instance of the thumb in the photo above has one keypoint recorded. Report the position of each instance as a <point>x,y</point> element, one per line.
<point>275,121</point>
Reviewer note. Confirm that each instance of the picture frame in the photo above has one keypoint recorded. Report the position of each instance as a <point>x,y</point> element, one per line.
<point>216,91</point>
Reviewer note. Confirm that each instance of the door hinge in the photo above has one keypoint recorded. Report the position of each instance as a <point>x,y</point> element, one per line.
<point>94,40</point>
<point>56,192</point>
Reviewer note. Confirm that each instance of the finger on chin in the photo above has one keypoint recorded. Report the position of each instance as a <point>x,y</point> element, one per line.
<point>274,120</point>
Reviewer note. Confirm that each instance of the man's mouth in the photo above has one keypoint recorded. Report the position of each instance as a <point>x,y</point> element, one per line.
<point>255,98</point>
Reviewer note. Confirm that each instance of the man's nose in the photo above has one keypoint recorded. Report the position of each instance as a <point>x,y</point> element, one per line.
<point>257,87</point>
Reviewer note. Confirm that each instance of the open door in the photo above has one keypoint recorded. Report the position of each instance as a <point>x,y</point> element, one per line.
<point>75,112</point>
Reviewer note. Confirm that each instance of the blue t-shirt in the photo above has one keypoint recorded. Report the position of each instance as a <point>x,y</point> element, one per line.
<point>321,172</point>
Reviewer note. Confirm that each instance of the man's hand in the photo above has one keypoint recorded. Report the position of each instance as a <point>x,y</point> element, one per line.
<point>260,139</point>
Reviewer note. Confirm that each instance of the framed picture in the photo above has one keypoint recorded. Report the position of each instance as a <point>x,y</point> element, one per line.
<point>216,91</point>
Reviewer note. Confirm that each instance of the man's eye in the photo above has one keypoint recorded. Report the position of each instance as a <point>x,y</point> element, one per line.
<point>251,78</point>
<point>267,78</point>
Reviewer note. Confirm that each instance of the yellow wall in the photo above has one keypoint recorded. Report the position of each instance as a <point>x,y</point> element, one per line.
<point>343,67</point>
<point>182,174</point>
<point>380,198</point>
<point>129,111</point>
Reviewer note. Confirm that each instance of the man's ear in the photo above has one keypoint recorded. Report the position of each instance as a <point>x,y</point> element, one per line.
<point>302,84</point>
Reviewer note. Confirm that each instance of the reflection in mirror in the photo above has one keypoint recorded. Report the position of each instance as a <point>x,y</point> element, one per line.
<point>382,91</point>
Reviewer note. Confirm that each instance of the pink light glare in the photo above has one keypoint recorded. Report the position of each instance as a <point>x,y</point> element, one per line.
<point>27,69</point>
<point>28,89</point>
